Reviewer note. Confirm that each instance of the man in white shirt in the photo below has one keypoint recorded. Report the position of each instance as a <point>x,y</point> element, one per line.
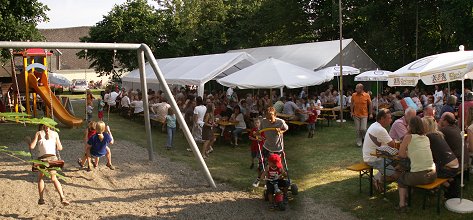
<point>112,101</point>
<point>377,136</point>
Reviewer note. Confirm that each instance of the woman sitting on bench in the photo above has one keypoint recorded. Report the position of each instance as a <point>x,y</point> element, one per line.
<point>415,146</point>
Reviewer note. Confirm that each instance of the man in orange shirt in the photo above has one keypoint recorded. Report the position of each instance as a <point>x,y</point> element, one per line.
<point>360,111</point>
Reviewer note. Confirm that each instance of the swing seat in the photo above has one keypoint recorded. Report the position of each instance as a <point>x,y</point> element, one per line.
<point>51,164</point>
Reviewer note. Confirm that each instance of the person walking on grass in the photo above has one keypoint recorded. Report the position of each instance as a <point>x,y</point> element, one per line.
<point>48,142</point>
<point>361,110</point>
<point>207,130</point>
<point>170,121</point>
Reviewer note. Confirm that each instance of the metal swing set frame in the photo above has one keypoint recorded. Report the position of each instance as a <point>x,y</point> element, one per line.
<point>142,51</point>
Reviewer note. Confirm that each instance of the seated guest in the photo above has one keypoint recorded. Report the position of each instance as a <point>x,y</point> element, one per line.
<point>416,147</point>
<point>468,106</point>
<point>125,104</point>
<point>416,100</point>
<point>240,127</point>
<point>138,106</point>
<point>450,106</point>
<point>452,134</point>
<point>445,161</point>
<point>429,111</point>
<point>396,103</point>
<point>279,105</point>
<point>290,108</point>
<point>162,109</point>
<point>399,127</point>
<point>377,136</point>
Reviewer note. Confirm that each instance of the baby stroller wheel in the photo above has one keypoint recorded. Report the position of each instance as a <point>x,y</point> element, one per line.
<point>265,195</point>
<point>281,206</point>
<point>294,189</point>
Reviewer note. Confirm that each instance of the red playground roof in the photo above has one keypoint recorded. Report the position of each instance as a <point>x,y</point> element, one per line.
<point>31,52</point>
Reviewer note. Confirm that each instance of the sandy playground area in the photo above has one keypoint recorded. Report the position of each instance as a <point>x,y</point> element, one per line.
<point>137,189</point>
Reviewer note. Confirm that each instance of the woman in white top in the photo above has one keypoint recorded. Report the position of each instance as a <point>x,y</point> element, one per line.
<point>137,105</point>
<point>237,116</point>
<point>48,141</point>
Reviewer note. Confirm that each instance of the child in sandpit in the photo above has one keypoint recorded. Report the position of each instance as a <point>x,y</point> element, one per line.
<point>48,141</point>
<point>97,146</point>
<point>89,132</point>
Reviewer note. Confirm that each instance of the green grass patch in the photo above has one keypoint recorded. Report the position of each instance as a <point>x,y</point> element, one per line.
<point>316,165</point>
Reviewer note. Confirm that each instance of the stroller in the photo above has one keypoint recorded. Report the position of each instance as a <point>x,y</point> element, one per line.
<point>279,198</point>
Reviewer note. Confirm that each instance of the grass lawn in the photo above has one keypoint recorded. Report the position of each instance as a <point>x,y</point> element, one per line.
<point>316,165</point>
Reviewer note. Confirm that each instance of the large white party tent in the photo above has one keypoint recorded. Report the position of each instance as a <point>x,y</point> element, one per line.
<point>192,70</point>
<point>316,55</point>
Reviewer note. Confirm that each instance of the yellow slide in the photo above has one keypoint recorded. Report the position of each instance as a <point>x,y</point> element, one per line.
<point>58,110</point>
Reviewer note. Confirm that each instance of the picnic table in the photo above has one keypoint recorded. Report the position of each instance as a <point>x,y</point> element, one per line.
<point>327,113</point>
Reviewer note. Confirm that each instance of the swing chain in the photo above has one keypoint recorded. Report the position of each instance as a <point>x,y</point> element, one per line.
<point>49,87</point>
<point>16,80</point>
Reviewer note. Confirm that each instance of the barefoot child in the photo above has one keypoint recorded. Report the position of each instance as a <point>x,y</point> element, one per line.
<point>97,146</point>
<point>89,132</point>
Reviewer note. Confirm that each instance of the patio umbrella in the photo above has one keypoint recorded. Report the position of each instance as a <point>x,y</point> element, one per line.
<point>444,68</point>
<point>58,79</point>
<point>273,73</point>
<point>335,70</point>
<point>374,75</point>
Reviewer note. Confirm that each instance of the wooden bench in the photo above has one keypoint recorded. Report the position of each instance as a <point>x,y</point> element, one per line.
<point>364,170</point>
<point>434,186</point>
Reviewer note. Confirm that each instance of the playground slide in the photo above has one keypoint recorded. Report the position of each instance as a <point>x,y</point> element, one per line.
<point>60,112</point>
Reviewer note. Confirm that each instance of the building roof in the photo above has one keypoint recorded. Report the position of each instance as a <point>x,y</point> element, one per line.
<point>69,60</point>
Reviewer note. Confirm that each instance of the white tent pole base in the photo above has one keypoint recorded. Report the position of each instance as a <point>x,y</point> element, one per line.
<point>459,205</point>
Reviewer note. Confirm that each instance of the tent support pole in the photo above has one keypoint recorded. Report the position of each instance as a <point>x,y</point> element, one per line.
<point>180,118</point>
<point>341,60</point>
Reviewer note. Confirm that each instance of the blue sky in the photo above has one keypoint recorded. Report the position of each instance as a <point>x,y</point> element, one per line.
<point>73,13</point>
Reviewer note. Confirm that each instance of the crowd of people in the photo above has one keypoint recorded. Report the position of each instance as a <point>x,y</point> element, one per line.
<point>426,132</point>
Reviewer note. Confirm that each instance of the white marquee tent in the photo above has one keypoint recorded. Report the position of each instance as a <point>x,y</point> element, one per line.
<point>193,70</point>
<point>316,55</point>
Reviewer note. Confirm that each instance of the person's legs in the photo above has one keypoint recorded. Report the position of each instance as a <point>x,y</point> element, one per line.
<point>58,187</point>
<point>109,156</point>
<point>236,133</point>
<point>173,130</point>
<point>363,126</point>
<point>169,139</point>
<point>204,149</point>
<point>357,121</point>
<point>41,186</point>
<point>402,196</point>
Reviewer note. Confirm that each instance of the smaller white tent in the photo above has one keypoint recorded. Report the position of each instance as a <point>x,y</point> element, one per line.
<point>273,73</point>
<point>194,70</point>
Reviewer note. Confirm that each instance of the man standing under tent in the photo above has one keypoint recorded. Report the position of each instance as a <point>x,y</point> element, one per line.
<point>361,110</point>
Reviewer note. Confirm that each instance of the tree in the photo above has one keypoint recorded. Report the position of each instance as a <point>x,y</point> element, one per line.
<point>132,22</point>
<point>18,21</point>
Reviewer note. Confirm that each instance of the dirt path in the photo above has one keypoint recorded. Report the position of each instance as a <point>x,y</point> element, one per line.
<point>137,189</point>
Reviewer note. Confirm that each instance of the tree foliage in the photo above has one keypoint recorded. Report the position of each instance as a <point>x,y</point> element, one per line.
<point>386,30</point>
<point>18,20</point>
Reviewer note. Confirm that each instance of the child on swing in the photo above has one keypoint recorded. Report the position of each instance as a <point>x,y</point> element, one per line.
<point>89,132</point>
<point>97,146</point>
<point>48,143</point>
<point>257,142</point>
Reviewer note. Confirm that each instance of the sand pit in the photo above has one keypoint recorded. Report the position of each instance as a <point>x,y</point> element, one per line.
<point>137,189</point>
